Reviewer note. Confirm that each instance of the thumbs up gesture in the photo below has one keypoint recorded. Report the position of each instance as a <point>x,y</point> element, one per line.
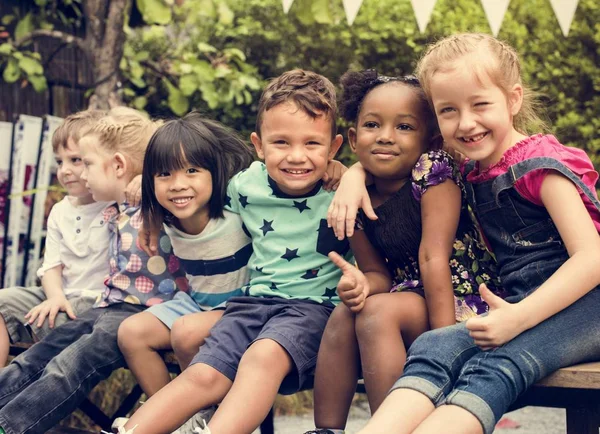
<point>353,287</point>
<point>499,326</point>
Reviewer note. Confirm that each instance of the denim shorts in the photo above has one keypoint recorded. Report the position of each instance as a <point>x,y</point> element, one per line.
<point>168,311</point>
<point>296,325</point>
<point>447,366</point>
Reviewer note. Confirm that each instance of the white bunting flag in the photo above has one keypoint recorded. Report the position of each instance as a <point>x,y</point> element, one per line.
<point>423,10</point>
<point>351,8</point>
<point>287,4</point>
<point>564,11</point>
<point>494,11</point>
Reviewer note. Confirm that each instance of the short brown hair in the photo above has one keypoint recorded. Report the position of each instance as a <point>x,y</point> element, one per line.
<point>75,126</point>
<point>311,92</point>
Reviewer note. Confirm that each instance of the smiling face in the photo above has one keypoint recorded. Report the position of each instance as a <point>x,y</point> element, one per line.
<point>70,167</point>
<point>391,131</point>
<point>185,193</point>
<point>474,114</point>
<point>295,147</point>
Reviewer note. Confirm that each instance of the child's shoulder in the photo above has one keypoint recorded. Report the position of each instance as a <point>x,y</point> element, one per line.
<point>434,167</point>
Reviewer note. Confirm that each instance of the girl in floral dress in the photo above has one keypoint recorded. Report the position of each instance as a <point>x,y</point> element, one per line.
<point>420,257</point>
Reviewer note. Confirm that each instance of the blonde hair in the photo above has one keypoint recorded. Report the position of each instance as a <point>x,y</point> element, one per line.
<point>504,70</point>
<point>75,126</point>
<point>127,131</point>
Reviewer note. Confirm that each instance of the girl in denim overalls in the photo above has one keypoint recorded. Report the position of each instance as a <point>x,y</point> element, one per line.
<point>536,204</point>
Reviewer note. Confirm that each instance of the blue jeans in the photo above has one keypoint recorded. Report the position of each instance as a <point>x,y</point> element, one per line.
<point>447,367</point>
<point>48,382</point>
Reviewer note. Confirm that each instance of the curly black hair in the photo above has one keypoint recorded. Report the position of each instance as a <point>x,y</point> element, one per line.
<point>357,84</point>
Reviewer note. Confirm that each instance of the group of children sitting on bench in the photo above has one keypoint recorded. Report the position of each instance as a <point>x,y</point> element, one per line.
<point>476,247</point>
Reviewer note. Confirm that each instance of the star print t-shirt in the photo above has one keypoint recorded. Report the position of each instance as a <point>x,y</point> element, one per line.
<point>290,238</point>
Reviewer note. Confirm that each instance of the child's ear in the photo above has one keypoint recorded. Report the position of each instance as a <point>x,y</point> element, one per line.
<point>257,142</point>
<point>335,146</point>
<point>515,99</point>
<point>352,138</point>
<point>119,163</point>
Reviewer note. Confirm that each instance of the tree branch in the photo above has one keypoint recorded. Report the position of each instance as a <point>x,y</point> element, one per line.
<point>65,37</point>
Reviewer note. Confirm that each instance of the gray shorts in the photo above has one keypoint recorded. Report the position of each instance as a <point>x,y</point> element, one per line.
<point>296,325</point>
<point>16,302</point>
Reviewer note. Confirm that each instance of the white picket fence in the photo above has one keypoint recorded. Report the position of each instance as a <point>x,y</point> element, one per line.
<point>27,176</point>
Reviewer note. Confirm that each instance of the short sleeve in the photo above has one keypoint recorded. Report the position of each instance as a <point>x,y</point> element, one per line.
<point>232,202</point>
<point>52,246</point>
<point>433,168</point>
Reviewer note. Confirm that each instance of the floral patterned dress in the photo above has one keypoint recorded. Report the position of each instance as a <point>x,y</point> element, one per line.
<point>397,235</point>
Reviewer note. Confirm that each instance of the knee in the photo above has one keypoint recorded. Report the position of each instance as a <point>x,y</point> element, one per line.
<point>265,355</point>
<point>201,376</point>
<point>340,327</point>
<point>132,334</point>
<point>374,318</point>
<point>180,337</point>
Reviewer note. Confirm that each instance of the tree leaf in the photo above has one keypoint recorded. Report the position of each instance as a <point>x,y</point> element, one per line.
<point>225,14</point>
<point>188,84</point>
<point>11,72</point>
<point>154,11</point>
<point>38,82</point>
<point>321,10</point>
<point>31,66</point>
<point>24,26</point>
<point>177,101</point>
<point>6,48</point>
<point>140,102</point>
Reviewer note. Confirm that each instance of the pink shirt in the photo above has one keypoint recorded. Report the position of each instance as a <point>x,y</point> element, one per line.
<point>529,185</point>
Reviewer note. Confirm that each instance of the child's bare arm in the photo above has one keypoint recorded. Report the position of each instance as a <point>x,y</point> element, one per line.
<point>350,196</point>
<point>56,301</point>
<point>333,175</point>
<point>440,213</point>
<point>575,278</point>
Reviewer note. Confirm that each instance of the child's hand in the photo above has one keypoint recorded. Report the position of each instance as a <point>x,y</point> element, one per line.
<point>133,192</point>
<point>148,240</point>
<point>333,175</point>
<point>50,309</point>
<point>499,326</point>
<point>353,287</point>
<point>350,196</point>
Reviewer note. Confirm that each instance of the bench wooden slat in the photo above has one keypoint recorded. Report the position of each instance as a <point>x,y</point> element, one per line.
<point>584,376</point>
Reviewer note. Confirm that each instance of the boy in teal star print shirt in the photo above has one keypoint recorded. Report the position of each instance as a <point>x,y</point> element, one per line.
<point>267,341</point>
<point>290,238</point>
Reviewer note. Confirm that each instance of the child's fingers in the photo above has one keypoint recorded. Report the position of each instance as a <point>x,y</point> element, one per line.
<point>350,222</point>
<point>368,210</point>
<point>476,324</point>
<point>340,222</point>
<point>355,292</point>
<point>51,317</point>
<point>340,262</point>
<point>69,311</point>
<point>42,317</point>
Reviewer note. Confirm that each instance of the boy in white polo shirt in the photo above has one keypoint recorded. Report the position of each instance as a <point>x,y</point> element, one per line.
<point>76,255</point>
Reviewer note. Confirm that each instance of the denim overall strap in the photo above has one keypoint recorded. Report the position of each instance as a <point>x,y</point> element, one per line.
<point>517,171</point>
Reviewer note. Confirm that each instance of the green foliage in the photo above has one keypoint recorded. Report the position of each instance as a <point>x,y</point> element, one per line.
<point>216,55</point>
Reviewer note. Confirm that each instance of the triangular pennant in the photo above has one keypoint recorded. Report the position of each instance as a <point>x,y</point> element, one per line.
<point>564,11</point>
<point>287,4</point>
<point>494,11</point>
<point>423,10</point>
<point>351,7</point>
